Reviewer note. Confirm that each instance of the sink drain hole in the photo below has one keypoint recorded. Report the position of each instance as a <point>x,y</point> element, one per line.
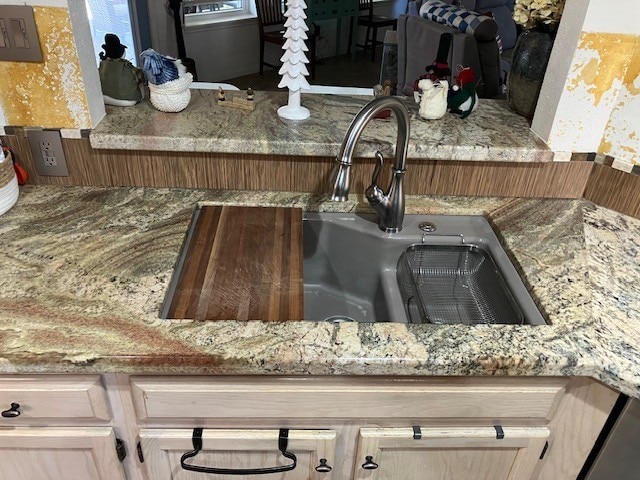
<point>339,319</point>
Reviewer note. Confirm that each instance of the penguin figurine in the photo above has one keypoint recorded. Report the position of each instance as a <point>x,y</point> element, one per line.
<point>462,98</point>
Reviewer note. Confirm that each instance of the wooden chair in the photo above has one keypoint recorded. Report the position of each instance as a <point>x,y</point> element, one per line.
<point>372,22</point>
<point>271,16</point>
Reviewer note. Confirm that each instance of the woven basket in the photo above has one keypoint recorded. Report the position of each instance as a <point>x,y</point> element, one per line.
<point>8,183</point>
<point>172,96</point>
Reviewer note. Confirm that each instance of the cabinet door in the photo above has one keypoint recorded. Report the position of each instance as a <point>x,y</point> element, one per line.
<point>448,453</point>
<point>237,449</point>
<point>83,453</point>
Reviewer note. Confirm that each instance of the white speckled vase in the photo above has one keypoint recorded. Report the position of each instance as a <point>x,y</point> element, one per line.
<point>8,184</point>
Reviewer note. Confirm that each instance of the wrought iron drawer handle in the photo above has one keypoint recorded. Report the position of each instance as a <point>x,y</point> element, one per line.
<point>283,440</point>
<point>13,412</point>
<point>369,464</point>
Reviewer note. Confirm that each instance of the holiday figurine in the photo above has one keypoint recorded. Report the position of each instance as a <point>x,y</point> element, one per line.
<point>293,68</point>
<point>438,70</point>
<point>119,79</point>
<point>433,103</point>
<point>463,98</point>
<point>250,94</point>
<point>221,95</point>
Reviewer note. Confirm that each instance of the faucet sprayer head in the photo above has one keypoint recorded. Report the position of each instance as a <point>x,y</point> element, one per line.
<point>339,182</point>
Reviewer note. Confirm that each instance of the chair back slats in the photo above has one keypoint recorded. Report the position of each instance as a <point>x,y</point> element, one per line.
<point>366,5</point>
<point>270,12</point>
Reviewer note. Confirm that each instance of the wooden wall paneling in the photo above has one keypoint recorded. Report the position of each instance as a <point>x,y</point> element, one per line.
<point>255,172</point>
<point>566,179</point>
<point>128,168</point>
<point>208,170</point>
<point>21,153</point>
<point>310,174</point>
<point>84,168</point>
<point>552,179</point>
<point>614,189</point>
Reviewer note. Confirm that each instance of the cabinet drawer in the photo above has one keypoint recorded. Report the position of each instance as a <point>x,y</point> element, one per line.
<point>345,397</point>
<point>53,397</point>
<point>241,451</point>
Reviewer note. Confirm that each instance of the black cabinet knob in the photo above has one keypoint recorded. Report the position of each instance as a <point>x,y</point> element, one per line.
<point>323,467</point>
<point>14,411</point>
<point>369,464</point>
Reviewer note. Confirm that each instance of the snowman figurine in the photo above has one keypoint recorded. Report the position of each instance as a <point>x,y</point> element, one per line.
<point>121,81</point>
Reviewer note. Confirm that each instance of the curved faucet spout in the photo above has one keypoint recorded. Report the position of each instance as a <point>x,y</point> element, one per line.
<point>389,205</point>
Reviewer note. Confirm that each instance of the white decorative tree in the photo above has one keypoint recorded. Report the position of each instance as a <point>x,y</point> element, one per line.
<point>294,60</point>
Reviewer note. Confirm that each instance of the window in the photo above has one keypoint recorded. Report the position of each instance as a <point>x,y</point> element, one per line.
<point>111,16</point>
<point>200,12</point>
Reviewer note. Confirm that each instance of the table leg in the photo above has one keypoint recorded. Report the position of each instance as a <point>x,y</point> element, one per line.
<point>338,33</point>
<point>354,29</point>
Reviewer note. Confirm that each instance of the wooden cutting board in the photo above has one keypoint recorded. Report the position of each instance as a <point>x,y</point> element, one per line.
<point>242,263</point>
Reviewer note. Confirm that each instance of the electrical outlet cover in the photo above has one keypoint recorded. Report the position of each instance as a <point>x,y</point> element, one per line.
<point>48,156</point>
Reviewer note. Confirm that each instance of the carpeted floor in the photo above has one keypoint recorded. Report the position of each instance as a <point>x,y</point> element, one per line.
<point>343,71</point>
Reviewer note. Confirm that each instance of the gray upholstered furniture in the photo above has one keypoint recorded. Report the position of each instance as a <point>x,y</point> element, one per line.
<point>418,40</point>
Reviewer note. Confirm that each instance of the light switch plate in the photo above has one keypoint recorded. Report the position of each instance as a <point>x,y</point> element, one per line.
<point>18,35</point>
<point>47,152</point>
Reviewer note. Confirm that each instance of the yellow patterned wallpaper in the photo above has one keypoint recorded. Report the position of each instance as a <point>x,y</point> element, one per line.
<point>621,137</point>
<point>603,85</point>
<point>605,61</point>
<point>51,93</point>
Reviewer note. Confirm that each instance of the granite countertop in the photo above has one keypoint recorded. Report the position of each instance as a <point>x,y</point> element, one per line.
<point>84,271</point>
<point>491,133</point>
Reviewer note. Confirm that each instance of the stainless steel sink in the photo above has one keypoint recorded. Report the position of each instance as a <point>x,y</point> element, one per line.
<point>438,269</point>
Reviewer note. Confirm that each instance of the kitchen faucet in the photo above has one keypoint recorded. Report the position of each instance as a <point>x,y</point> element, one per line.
<point>390,205</point>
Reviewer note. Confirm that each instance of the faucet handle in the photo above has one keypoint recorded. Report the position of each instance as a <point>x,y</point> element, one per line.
<point>374,193</point>
<point>378,169</point>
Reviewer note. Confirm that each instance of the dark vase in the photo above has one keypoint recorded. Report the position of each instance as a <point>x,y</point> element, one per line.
<point>529,62</point>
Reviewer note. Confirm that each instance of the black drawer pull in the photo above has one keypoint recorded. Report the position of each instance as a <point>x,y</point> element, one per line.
<point>283,440</point>
<point>369,464</point>
<point>323,467</point>
<point>13,412</point>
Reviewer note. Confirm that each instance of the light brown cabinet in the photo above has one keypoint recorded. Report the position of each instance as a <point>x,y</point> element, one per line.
<point>65,398</point>
<point>371,421</point>
<point>56,427</point>
<point>415,453</point>
<point>41,453</point>
<point>239,449</point>
<point>360,428</point>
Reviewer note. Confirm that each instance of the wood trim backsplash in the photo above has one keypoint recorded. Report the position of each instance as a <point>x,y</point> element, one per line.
<point>614,189</point>
<point>88,166</point>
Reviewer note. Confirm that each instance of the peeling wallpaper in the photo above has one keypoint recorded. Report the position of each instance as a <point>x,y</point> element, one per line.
<point>51,93</point>
<point>598,101</point>
<point>600,63</point>
<point>621,137</point>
